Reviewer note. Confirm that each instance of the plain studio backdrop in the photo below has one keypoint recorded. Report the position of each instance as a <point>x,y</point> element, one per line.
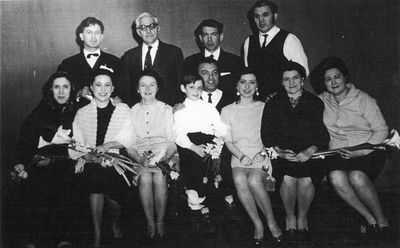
<point>37,35</point>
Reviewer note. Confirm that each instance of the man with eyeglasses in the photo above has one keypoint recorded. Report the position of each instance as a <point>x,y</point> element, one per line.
<point>269,47</point>
<point>209,35</point>
<point>81,66</point>
<point>153,54</point>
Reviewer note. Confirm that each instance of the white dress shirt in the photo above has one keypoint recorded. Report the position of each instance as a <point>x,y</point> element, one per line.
<point>292,48</point>
<point>215,96</point>
<point>93,59</point>
<point>215,54</point>
<point>196,116</point>
<point>153,51</point>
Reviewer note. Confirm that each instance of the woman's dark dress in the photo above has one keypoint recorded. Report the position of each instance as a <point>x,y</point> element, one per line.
<point>295,129</point>
<point>48,191</point>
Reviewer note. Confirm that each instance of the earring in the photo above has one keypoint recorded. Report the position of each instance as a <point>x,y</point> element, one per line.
<point>257,93</point>
<point>237,92</point>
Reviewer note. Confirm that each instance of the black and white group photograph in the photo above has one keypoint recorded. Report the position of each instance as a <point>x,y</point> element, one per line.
<point>200,124</point>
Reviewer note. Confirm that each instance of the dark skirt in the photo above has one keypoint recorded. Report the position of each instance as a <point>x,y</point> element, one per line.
<point>104,180</point>
<point>313,168</point>
<point>371,164</point>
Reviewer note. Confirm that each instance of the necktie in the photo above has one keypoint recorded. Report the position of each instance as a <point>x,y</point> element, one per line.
<point>147,60</point>
<point>209,97</point>
<point>92,54</point>
<point>265,40</point>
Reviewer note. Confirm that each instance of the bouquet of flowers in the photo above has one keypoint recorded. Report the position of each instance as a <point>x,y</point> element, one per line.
<point>119,162</point>
<point>213,151</point>
<point>392,142</point>
<point>269,180</point>
<point>171,173</point>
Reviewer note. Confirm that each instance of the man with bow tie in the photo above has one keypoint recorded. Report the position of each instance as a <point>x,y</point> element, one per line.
<point>209,35</point>
<point>81,66</point>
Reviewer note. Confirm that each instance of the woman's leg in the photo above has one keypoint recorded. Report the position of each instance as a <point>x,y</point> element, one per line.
<point>305,195</point>
<point>341,183</point>
<point>160,200</point>
<point>366,191</point>
<point>96,205</point>
<point>146,197</point>
<point>247,200</point>
<point>115,211</point>
<point>288,193</point>
<point>257,188</point>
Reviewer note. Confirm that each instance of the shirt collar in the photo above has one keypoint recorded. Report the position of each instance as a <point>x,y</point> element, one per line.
<point>215,54</point>
<point>271,33</point>
<point>154,46</point>
<point>86,52</point>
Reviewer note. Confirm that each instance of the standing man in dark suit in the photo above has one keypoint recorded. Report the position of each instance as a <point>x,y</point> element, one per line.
<point>152,53</point>
<point>82,65</point>
<point>210,34</point>
<point>269,48</point>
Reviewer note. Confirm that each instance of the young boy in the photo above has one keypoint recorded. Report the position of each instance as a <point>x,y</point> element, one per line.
<point>196,124</point>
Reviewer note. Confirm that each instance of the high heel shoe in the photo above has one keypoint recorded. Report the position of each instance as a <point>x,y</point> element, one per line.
<point>151,231</point>
<point>278,239</point>
<point>161,230</point>
<point>259,242</point>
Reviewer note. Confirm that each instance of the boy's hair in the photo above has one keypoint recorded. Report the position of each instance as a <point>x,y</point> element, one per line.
<point>88,21</point>
<point>191,79</point>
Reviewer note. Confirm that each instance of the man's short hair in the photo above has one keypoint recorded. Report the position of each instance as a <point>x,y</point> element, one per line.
<point>89,21</point>
<point>207,60</point>
<point>209,23</point>
<point>260,3</point>
<point>137,20</point>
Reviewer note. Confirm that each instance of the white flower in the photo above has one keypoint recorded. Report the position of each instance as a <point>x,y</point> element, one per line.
<point>174,175</point>
<point>271,152</point>
<point>394,141</point>
<point>194,201</point>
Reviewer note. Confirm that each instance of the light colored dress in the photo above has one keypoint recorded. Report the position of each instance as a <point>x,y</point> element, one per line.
<point>150,129</point>
<point>244,123</point>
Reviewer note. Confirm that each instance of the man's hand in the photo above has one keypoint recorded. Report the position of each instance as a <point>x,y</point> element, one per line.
<point>85,92</point>
<point>178,107</point>
<point>199,150</point>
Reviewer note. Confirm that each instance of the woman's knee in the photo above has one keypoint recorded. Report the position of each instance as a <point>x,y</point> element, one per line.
<point>305,183</point>
<point>359,179</point>
<point>145,178</point>
<point>239,177</point>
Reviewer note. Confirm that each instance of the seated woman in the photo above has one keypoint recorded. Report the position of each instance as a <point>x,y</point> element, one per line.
<point>292,124</point>
<point>49,167</point>
<point>353,117</point>
<point>244,142</point>
<point>151,140</point>
<point>96,125</point>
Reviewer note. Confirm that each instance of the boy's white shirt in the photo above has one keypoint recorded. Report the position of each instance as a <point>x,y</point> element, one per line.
<point>197,116</point>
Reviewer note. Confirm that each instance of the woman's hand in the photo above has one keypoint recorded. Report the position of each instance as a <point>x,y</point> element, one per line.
<point>199,150</point>
<point>101,149</point>
<point>306,154</point>
<point>245,161</point>
<point>288,155</point>
<point>347,154</point>
<point>258,157</point>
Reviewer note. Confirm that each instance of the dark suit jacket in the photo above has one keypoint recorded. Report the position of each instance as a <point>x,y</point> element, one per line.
<point>168,63</point>
<point>227,63</point>
<point>226,99</point>
<point>82,73</point>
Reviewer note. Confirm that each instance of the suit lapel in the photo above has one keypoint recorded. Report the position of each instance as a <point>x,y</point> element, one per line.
<point>82,62</point>
<point>159,55</point>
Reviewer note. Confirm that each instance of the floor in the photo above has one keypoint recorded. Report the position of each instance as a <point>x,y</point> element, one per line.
<point>332,222</point>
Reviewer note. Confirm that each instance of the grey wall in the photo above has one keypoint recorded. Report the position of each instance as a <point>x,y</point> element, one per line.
<point>37,35</point>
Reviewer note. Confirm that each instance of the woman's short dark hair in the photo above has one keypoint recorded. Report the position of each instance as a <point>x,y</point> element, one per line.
<point>190,79</point>
<point>47,87</point>
<point>150,73</point>
<point>102,71</point>
<point>243,71</point>
<point>293,66</point>
<point>317,76</point>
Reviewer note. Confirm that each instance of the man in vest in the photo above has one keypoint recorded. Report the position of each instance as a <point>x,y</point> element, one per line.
<point>269,47</point>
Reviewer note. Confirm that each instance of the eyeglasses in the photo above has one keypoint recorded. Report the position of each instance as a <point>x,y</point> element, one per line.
<point>151,26</point>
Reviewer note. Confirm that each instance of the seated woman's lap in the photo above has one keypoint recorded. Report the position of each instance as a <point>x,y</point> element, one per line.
<point>371,164</point>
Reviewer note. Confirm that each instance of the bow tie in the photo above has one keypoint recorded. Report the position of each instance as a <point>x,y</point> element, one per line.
<point>92,54</point>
